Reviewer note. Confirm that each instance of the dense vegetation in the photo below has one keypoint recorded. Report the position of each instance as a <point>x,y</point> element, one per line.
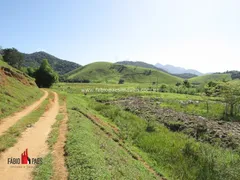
<point>45,76</point>
<point>60,66</point>
<point>103,72</point>
<point>234,74</point>
<point>13,57</point>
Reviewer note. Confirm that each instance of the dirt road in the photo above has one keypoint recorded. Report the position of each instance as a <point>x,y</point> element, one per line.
<point>11,120</point>
<point>60,170</point>
<point>33,139</point>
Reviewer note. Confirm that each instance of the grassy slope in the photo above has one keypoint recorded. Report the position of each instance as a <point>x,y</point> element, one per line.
<point>93,155</point>
<point>14,95</point>
<point>210,77</point>
<point>111,73</point>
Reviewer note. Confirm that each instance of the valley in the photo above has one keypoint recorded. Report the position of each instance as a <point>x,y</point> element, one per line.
<point>115,121</point>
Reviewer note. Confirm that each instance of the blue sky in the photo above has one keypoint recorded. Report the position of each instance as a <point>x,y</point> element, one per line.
<point>202,35</point>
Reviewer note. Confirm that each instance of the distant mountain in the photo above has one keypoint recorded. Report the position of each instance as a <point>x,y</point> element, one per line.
<point>140,64</point>
<point>178,70</point>
<point>61,66</point>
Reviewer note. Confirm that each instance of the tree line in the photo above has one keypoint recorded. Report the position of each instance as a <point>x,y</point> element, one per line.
<point>44,76</point>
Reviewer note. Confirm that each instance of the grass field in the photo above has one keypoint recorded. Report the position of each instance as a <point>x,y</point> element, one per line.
<point>105,92</point>
<point>172,154</point>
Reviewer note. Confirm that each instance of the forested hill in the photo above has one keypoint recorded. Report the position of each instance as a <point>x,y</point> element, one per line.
<point>61,66</point>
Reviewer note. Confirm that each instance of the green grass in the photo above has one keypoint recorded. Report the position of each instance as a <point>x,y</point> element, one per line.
<point>176,155</point>
<point>172,154</point>
<point>210,77</point>
<point>10,137</point>
<point>45,170</point>
<point>14,95</point>
<point>53,136</point>
<point>104,72</point>
<point>93,155</point>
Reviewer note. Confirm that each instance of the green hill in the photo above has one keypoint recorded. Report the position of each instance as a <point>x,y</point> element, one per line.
<point>185,75</point>
<point>146,65</point>
<point>104,72</point>
<point>140,64</point>
<point>16,90</point>
<point>210,77</point>
<point>61,66</point>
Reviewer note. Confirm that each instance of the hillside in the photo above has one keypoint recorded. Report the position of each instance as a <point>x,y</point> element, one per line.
<point>104,72</point>
<point>17,90</point>
<point>59,65</point>
<point>140,64</point>
<point>146,65</point>
<point>210,77</point>
<point>177,70</point>
<point>185,75</point>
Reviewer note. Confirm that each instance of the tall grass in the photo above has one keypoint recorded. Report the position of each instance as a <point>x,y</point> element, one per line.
<point>176,155</point>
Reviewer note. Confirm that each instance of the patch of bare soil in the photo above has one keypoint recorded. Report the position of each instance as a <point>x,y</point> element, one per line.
<point>20,76</point>
<point>33,139</point>
<point>227,134</point>
<point>60,170</point>
<point>11,120</point>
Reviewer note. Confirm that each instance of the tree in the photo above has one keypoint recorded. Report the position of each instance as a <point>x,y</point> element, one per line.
<point>45,76</point>
<point>178,84</point>
<point>1,50</point>
<point>163,88</point>
<point>31,71</point>
<point>121,81</point>
<point>231,95</point>
<point>186,83</point>
<point>13,57</point>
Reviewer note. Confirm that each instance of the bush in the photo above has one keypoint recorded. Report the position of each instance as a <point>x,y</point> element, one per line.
<point>121,81</point>
<point>45,76</point>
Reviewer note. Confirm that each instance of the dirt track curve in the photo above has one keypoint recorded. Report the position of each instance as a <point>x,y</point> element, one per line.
<point>11,120</point>
<point>35,140</point>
